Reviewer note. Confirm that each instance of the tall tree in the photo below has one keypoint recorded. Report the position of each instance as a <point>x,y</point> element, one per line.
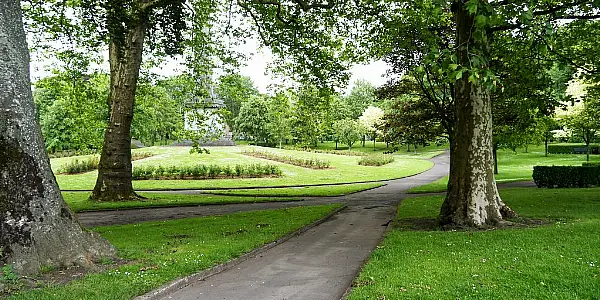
<point>253,119</point>
<point>37,228</point>
<point>234,89</point>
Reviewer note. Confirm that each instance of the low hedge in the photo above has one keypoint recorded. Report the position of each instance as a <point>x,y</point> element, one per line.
<point>311,163</point>
<point>77,166</point>
<point>569,149</point>
<point>591,164</point>
<point>376,160</point>
<point>566,176</point>
<point>205,171</point>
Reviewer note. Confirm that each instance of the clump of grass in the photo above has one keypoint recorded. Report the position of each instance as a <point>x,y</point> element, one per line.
<point>77,166</point>
<point>311,163</point>
<point>205,172</point>
<point>376,160</point>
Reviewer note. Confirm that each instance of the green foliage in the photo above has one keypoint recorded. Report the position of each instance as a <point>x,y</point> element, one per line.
<point>202,171</point>
<point>234,90</point>
<point>347,131</point>
<point>72,110</point>
<point>376,160</point>
<point>309,118</point>
<point>312,163</point>
<point>9,280</point>
<point>361,96</point>
<point>77,166</point>
<point>279,114</point>
<point>570,149</point>
<point>253,119</point>
<point>566,176</point>
<point>336,152</point>
<point>158,111</point>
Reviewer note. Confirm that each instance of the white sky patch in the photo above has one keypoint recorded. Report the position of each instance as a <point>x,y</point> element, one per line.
<point>256,68</point>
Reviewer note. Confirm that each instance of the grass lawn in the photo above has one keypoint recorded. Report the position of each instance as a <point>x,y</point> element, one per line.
<point>517,166</point>
<point>163,251</point>
<point>345,169</point>
<point>307,191</point>
<point>555,261</point>
<point>79,201</point>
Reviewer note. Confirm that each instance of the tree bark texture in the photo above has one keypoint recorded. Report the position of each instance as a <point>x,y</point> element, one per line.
<point>37,227</point>
<point>472,199</point>
<point>114,182</point>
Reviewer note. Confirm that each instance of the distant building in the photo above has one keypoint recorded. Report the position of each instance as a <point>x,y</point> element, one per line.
<point>213,130</point>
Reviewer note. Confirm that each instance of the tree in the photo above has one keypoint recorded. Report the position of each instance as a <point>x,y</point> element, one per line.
<point>586,120</point>
<point>235,89</point>
<point>347,131</point>
<point>372,120</point>
<point>279,115</point>
<point>361,96</point>
<point>37,228</point>
<point>158,114</point>
<point>309,118</point>
<point>253,120</point>
<point>72,111</point>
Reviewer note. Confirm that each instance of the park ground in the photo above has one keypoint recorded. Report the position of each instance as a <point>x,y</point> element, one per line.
<point>552,254</point>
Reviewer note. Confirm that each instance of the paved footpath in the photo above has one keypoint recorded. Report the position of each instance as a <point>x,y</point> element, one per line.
<point>318,264</point>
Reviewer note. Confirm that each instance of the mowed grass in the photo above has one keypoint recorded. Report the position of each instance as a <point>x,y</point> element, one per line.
<point>163,251</point>
<point>345,169</point>
<point>559,260</point>
<point>80,202</point>
<point>306,191</point>
<point>517,166</point>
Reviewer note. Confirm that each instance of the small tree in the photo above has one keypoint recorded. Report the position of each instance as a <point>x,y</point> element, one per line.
<point>253,119</point>
<point>279,117</point>
<point>347,131</point>
<point>586,121</point>
<point>372,121</point>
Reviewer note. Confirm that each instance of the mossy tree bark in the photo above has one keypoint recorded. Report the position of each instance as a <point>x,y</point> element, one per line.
<point>114,182</point>
<point>37,227</point>
<point>472,199</point>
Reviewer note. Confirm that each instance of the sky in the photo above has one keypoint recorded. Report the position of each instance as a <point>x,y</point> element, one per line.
<point>256,69</point>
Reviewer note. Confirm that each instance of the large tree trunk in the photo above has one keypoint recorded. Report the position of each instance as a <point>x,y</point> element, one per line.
<point>114,172</point>
<point>37,227</point>
<point>472,199</point>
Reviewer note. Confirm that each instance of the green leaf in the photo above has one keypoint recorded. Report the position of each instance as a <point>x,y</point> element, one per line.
<point>453,66</point>
<point>459,74</point>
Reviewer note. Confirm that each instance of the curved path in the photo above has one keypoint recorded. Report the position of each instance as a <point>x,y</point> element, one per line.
<point>389,194</point>
<point>321,263</point>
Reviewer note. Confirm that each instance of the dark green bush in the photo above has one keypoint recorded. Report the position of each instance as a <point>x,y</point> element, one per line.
<point>204,172</point>
<point>591,164</point>
<point>376,160</point>
<point>566,176</point>
<point>569,149</point>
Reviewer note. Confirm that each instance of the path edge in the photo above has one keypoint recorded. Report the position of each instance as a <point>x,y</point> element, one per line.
<point>387,230</point>
<point>180,283</point>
